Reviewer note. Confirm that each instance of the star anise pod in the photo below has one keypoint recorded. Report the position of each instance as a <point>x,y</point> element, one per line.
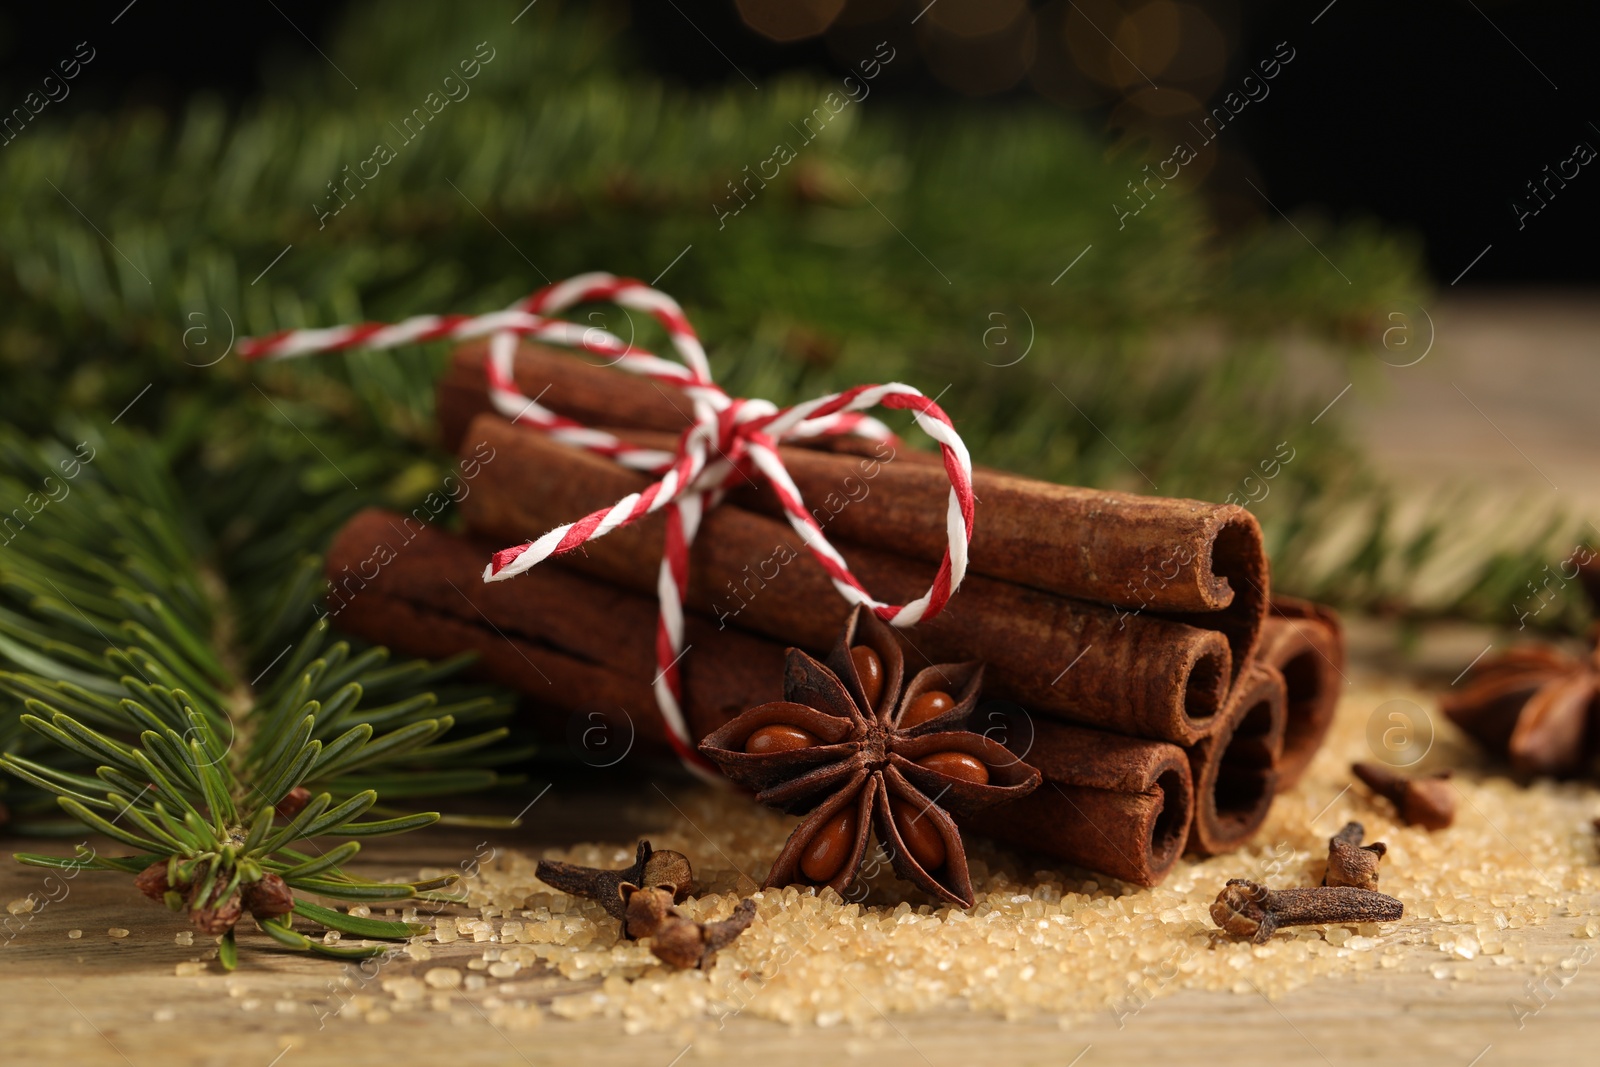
<point>859,750</point>
<point>1534,705</point>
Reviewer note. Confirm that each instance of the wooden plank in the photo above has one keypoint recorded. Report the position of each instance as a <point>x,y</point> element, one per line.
<point>99,1000</point>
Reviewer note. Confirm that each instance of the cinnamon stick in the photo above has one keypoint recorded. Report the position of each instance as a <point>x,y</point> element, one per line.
<point>580,387</point>
<point>571,643</point>
<point>1203,562</point>
<point>1114,804</point>
<point>1234,769</point>
<point>1110,803</point>
<point>1200,563</point>
<point>1305,642</point>
<point>1132,674</point>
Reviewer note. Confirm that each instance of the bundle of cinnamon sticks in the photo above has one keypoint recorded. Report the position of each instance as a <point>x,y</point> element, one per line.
<point>1134,655</point>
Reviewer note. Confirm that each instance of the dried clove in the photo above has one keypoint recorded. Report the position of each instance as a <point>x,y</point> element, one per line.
<point>642,896</point>
<point>647,910</point>
<point>1429,802</point>
<point>651,869</point>
<point>676,939</point>
<point>1249,909</point>
<point>1350,863</point>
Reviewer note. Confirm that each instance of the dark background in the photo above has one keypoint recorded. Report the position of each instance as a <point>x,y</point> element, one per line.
<point>1429,116</point>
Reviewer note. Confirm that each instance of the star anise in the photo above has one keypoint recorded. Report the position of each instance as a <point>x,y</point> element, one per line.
<point>852,745</point>
<point>1534,705</point>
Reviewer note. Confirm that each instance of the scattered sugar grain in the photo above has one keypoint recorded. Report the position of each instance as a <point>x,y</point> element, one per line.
<point>406,988</point>
<point>1041,945</point>
<point>443,978</point>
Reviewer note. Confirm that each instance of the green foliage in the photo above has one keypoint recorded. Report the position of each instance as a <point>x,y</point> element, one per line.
<point>135,247</point>
<point>124,696</point>
<point>880,251</point>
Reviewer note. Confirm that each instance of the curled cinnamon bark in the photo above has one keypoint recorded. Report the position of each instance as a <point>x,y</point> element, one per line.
<point>1130,673</point>
<point>1119,805</point>
<point>1201,562</point>
<point>1305,642</point>
<point>1110,803</point>
<point>1234,768</point>
<point>569,642</point>
<point>1197,563</point>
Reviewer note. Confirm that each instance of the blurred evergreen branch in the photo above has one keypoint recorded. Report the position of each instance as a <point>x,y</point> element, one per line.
<point>884,250</point>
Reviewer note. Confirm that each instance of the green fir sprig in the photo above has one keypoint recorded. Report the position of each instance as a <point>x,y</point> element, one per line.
<point>241,774</point>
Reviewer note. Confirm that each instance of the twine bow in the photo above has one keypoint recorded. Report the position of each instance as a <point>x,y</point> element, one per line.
<point>729,438</point>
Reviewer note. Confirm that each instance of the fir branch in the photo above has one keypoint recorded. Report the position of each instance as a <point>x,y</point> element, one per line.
<point>124,701</point>
<point>578,162</point>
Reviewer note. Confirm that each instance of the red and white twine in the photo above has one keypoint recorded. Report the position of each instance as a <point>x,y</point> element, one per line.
<point>730,438</point>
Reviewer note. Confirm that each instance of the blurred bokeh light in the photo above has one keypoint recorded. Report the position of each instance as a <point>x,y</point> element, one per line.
<point>1150,68</point>
<point>789,20</point>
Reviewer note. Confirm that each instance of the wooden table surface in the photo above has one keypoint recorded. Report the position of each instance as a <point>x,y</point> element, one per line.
<point>99,1000</point>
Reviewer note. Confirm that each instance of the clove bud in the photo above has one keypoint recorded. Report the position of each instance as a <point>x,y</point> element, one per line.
<point>1429,802</point>
<point>677,940</point>
<point>1350,863</point>
<point>642,896</point>
<point>1249,909</point>
<point>650,870</point>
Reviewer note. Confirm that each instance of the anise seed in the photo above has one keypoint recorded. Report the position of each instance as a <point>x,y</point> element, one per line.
<point>957,765</point>
<point>778,737</point>
<point>929,705</point>
<point>922,838</point>
<point>869,668</point>
<point>830,847</point>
